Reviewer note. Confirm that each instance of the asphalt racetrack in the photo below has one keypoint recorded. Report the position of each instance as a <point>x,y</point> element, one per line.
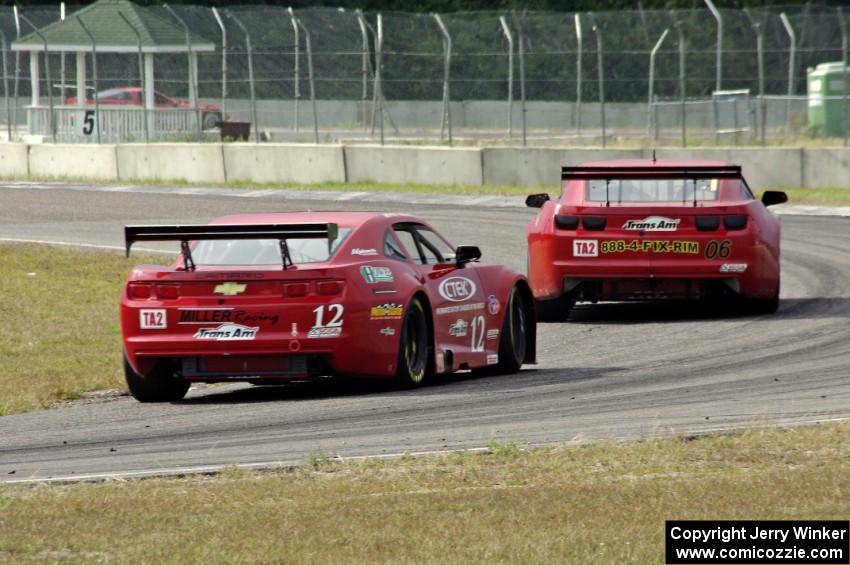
<point>614,371</point>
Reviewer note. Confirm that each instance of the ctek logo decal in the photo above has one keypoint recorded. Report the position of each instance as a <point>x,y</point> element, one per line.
<point>230,288</point>
<point>652,223</point>
<point>227,332</point>
<point>457,289</point>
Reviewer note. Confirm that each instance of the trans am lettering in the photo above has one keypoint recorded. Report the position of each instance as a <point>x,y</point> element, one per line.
<point>652,223</point>
<point>227,332</point>
<point>457,289</point>
<point>649,246</point>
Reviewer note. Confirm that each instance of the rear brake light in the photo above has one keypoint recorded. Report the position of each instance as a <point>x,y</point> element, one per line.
<point>329,287</point>
<point>734,223</point>
<point>139,290</point>
<point>294,290</point>
<point>167,291</point>
<point>593,223</point>
<point>566,222</point>
<point>707,223</point>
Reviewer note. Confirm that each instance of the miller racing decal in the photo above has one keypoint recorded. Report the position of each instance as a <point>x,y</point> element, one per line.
<point>457,289</point>
<point>652,223</point>
<point>152,319</point>
<point>649,246</point>
<point>376,274</point>
<point>223,315</point>
<point>227,332</point>
<point>585,248</point>
<point>387,311</point>
<point>458,329</point>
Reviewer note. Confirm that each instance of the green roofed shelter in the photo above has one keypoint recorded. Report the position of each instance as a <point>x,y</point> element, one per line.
<point>117,26</point>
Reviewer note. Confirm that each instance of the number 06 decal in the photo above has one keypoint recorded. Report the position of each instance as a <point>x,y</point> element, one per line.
<point>478,333</point>
<point>718,249</point>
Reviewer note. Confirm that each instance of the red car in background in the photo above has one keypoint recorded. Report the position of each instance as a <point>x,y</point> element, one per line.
<point>653,230</point>
<point>266,298</point>
<point>211,115</point>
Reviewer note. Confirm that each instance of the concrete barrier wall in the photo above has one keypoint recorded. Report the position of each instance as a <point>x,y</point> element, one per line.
<point>399,164</point>
<point>301,163</point>
<point>826,167</point>
<point>540,166</point>
<point>773,167</point>
<point>76,161</point>
<point>14,160</point>
<point>192,162</point>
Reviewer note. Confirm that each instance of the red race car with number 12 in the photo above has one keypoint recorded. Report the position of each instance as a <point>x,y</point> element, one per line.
<point>269,298</point>
<point>653,230</point>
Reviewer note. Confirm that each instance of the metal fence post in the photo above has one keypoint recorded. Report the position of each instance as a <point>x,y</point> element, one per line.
<point>250,54</point>
<point>6,87</point>
<point>519,25</point>
<point>141,75</point>
<point>446,119</point>
<point>379,87</point>
<point>310,78</point>
<point>791,64</point>
<point>718,81</point>
<point>296,87</point>
<point>601,80</point>
<point>52,120</point>
<point>365,70</point>
<point>193,80</point>
<point>577,19</point>
<point>223,29</point>
<point>507,31</point>
<point>62,58</point>
<point>758,28</point>
<point>93,74</point>
<point>17,64</point>
<point>650,95</point>
<point>682,108</point>
<point>843,25</point>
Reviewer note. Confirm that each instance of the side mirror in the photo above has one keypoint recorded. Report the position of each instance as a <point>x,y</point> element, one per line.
<point>536,200</point>
<point>466,254</point>
<point>771,197</point>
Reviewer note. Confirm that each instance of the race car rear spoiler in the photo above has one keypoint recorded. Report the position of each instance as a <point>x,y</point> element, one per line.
<point>653,172</point>
<point>185,234</point>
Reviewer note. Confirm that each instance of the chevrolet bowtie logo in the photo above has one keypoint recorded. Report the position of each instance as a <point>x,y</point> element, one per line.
<point>230,288</point>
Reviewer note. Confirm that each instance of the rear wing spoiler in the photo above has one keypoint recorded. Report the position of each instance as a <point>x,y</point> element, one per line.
<point>185,234</point>
<point>660,172</point>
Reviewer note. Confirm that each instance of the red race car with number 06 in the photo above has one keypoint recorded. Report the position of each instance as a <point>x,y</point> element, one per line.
<point>285,297</point>
<point>653,230</point>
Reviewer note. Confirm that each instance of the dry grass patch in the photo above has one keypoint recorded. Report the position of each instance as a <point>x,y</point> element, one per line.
<point>60,335</point>
<point>595,503</point>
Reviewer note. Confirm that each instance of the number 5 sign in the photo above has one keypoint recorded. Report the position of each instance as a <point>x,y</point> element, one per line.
<point>86,121</point>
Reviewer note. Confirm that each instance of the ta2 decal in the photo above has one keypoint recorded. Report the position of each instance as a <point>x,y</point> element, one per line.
<point>153,319</point>
<point>585,248</point>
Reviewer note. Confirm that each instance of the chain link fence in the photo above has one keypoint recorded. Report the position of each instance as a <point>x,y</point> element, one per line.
<point>323,74</point>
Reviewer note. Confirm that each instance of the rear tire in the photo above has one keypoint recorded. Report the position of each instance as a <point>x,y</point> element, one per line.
<point>513,341</point>
<point>555,309</point>
<point>211,120</point>
<point>414,347</point>
<point>159,386</point>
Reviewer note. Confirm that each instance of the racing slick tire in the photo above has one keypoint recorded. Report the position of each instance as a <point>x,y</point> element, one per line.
<point>414,347</point>
<point>762,306</point>
<point>210,120</point>
<point>157,387</point>
<point>555,309</point>
<point>513,342</point>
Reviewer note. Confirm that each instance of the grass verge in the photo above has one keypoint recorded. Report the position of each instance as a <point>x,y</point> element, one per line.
<point>61,333</point>
<point>596,503</point>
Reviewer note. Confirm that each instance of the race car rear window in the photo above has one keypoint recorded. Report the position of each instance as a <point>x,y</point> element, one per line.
<point>652,190</point>
<point>264,251</point>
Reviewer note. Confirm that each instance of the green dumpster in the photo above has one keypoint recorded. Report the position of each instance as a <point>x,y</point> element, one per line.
<point>829,100</point>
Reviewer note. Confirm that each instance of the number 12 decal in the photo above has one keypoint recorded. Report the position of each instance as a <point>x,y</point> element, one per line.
<point>334,310</point>
<point>478,333</point>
